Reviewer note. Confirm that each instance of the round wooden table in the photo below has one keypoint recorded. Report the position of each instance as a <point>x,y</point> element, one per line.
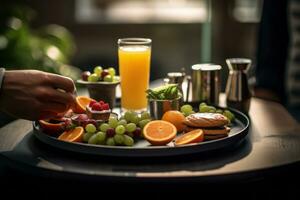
<point>273,142</point>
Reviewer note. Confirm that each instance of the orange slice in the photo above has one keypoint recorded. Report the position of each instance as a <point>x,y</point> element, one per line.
<point>194,136</point>
<point>81,103</point>
<point>52,128</point>
<point>74,135</point>
<point>159,132</point>
<point>176,118</point>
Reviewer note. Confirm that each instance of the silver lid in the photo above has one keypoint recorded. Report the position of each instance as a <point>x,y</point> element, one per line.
<point>206,67</point>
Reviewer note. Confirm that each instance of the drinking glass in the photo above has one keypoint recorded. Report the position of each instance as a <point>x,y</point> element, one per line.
<point>134,67</point>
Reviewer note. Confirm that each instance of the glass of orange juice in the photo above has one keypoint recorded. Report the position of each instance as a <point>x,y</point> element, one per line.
<point>134,67</point>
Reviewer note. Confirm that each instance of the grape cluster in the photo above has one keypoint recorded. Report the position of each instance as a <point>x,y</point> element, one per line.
<point>117,131</point>
<point>203,107</point>
<point>100,74</point>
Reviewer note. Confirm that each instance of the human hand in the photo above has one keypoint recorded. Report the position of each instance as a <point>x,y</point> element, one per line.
<point>33,95</point>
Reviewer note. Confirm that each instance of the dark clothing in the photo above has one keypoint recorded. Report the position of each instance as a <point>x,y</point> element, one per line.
<point>272,51</point>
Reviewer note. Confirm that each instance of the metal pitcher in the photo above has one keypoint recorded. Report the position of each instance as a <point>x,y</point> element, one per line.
<point>238,94</point>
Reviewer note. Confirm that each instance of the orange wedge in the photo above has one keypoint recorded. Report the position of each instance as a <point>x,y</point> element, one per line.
<point>159,132</point>
<point>194,136</point>
<point>81,103</point>
<point>74,135</point>
<point>52,128</point>
<point>176,118</point>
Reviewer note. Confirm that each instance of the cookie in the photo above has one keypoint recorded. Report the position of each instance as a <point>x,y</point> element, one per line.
<point>206,120</point>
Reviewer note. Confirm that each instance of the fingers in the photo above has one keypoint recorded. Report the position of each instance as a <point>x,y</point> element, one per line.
<point>61,97</point>
<point>60,82</point>
<point>46,115</point>
<point>55,107</point>
<point>49,94</point>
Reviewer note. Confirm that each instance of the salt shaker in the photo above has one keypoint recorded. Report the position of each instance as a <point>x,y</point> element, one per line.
<point>238,94</point>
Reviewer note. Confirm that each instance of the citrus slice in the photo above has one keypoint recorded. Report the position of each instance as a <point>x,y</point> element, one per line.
<point>74,135</point>
<point>159,132</point>
<point>176,118</point>
<point>81,103</point>
<point>52,128</point>
<point>194,136</point>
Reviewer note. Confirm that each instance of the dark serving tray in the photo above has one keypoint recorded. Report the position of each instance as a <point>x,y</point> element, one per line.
<point>142,148</point>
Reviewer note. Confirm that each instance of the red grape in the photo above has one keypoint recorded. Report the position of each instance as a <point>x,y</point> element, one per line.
<point>85,75</point>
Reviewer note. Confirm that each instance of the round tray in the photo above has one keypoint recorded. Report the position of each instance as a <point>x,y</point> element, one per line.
<point>142,148</point>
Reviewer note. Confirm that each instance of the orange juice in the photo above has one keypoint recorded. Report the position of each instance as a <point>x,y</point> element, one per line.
<point>134,65</point>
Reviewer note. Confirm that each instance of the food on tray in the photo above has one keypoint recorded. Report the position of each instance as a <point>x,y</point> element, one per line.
<point>81,103</point>
<point>88,128</point>
<point>165,92</point>
<point>187,110</point>
<point>73,135</point>
<point>212,133</point>
<point>194,136</point>
<point>53,126</point>
<point>214,125</point>
<point>116,131</point>
<point>100,75</point>
<point>98,110</point>
<point>204,108</point>
<point>176,118</point>
<point>206,120</point>
<point>159,132</point>
<point>93,122</point>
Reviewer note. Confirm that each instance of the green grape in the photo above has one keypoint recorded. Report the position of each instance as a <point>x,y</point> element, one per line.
<point>204,109</point>
<point>120,129</point>
<point>212,109</point>
<point>202,104</point>
<point>143,123</point>
<point>128,141</point>
<point>122,122</point>
<point>110,141</point>
<point>93,78</point>
<point>229,115</point>
<point>108,78</point>
<point>189,113</point>
<point>103,127</point>
<point>135,119</point>
<point>219,111</point>
<point>145,115</point>
<point>128,115</point>
<point>116,79</point>
<point>130,127</point>
<point>93,139</point>
<point>112,122</point>
<point>119,139</point>
<point>87,136</point>
<point>98,70</point>
<point>111,71</point>
<point>90,128</point>
<point>186,108</point>
<point>101,136</point>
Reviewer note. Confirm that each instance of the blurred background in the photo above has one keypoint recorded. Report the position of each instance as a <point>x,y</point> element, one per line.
<point>64,36</point>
